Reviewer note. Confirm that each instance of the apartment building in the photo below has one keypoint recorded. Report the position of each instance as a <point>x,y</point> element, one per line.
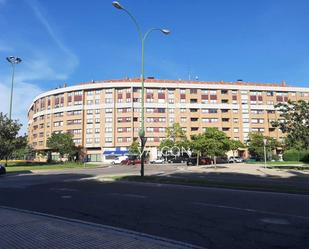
<point>104,116</point>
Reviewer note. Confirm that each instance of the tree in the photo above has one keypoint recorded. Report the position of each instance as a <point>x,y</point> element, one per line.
<point>176,133</point>
<point>294,121</point>
<point>176,140</point>
<point>134,147</point>
<point>211,143</point>
<point>62,143</point>
<point>235,145</point>
<point>25,152</point>
<point>9,139</point>
<point>256,144</point>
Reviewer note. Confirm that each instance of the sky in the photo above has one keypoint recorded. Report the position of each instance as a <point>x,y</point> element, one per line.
<point>76,41</point>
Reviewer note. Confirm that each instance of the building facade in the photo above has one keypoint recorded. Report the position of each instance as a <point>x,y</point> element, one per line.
<point>104,116</point>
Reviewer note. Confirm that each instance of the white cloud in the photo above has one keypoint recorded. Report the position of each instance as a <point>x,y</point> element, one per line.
<point>39,64</point>
<point>71,58</point>
<point>23,95</point>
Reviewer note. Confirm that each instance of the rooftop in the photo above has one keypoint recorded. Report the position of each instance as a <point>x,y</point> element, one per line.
<point>239,82</point>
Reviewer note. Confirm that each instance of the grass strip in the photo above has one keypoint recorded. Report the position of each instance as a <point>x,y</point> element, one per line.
<point>17,168</point>
<point>217,184</point>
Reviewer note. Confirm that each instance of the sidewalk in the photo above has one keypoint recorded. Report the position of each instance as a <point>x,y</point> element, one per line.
<point>24,229</point>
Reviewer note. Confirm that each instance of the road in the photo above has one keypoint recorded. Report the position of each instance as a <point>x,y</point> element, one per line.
<point>209,217</point>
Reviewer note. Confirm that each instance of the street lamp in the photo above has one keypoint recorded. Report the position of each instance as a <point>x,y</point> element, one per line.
<point>265,143</point>
<point>14,61</point>
<point>142,37</point>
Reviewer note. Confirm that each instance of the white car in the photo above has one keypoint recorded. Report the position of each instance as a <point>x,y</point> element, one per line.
<point>236,159</point>
<point>157,161</point>
<point>119,159</point>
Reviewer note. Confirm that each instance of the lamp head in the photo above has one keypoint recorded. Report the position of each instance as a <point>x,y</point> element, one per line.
<point>165,31</point>
<point>117,5</point>
<point>14,60</point>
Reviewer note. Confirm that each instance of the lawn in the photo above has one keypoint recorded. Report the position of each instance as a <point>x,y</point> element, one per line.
<point>46,166</point>
<point>280,163</point>
<point>211,183</point>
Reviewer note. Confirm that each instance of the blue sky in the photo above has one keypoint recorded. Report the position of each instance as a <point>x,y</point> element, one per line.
<point>74,41</point>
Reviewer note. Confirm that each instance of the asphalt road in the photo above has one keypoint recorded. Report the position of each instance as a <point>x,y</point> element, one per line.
<point>209,217</point>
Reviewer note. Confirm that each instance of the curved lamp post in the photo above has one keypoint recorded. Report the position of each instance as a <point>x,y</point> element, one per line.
<point>14,61</point>
<point>142,37</point>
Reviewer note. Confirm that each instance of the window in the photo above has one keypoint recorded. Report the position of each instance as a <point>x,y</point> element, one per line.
<point>97,140</point>
<point>59,123</point>
<point>108,110</point>
<point>89,120</point>
<point>108,140</point>
<point>88,131</point>
<point>74,121</point>
<point>108,120</point>
<point>77,140</point>
<point>89,112</point>
<point>88,140</point>
<point>108,129</point>
<point>97,130</point>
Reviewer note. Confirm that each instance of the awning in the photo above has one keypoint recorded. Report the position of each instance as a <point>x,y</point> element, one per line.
<point>118,151</point>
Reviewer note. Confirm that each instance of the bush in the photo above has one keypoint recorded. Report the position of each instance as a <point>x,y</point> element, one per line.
<point>296,155</point>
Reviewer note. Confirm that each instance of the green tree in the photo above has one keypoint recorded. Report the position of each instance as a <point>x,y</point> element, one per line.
<point>134,148</point>
<point>294,122</point>
<point>176,133</point>
<point>63,144</point>
<point>235,145</point>
<point>256,144</point>
<point>176,139</point>
<point>9,139</point>
<point>211,143</point>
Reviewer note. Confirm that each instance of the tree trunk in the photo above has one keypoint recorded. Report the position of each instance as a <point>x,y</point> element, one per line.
<point>215,161</point>
<point>233,156</point>
<point>198,159</point>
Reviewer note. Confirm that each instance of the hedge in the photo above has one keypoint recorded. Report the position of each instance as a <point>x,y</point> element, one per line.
<point>296,155</point>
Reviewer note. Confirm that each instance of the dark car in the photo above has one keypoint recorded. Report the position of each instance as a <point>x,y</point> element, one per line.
<point>2,169</point>
<point>131,161</point>
<point>178,159</point>
<point>202,161</point>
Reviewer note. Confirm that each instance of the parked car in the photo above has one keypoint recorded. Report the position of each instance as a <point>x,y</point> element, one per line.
<point>157,161</point>
<point>2,169</point>
<point>177,159</point>
<point>236,159</point>
<point>131,161</point>
<point>202,161</point>
<point>118,160</point>
<point>222,159</point>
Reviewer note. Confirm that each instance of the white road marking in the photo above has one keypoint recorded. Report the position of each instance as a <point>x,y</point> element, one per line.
<point>250,210</point>
<point>63,189</point>
<point>129,195</point>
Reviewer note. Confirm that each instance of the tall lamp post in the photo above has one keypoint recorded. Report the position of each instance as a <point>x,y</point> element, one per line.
<point>265,157</point>
<point>14,61</point>
<point>142,37</point>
